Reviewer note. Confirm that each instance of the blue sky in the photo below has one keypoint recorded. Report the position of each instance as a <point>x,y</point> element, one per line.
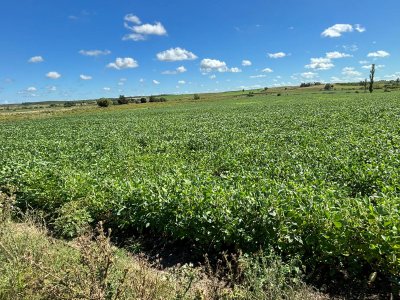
<point>84,49</point>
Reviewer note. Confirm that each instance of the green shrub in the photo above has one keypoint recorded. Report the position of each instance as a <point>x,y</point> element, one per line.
<point>155,99</point>
<point>143,100</point>
<point>104,102</point>
<point>70,104</point>
<point>196,97</point>
<point>122,100</point>
<point>250,94</point>
<point>72,220</point>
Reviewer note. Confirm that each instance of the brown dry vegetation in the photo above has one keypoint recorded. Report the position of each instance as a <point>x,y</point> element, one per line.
<point>34,265</point>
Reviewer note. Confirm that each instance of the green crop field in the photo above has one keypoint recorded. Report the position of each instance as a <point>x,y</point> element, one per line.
<point>314,175</point>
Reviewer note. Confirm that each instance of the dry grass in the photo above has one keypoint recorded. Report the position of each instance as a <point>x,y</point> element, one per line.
<point>33,265</point>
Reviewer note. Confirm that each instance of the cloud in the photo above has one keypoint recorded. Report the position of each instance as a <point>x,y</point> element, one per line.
<point>267,70</point>
<point>134,37</point>
<point>178,70</point>
<point>246,63</point>
<point>85,77</point>
<point>182,82</point>
<point>181,69</point>
<point>376,67</point>
<point>213,65</point>
<point>352,48</point>
<point>140,32</point>
<point>132,18</point>
<point>277,55</point>
<point>123,63</point>
<point>258,76</point>
<point>337,30</point>
<point>156,82</point>
<point>36,59</point>
<point>309,75</point>
<point>94,52</point>
<point>31,89</point>
<point>321,63</point>
<point>52,88</point>
<point>336,55</point>
<point>235,70</point>
<point>359,28</point>
<point>107,89</point>
<point>364,62</point>
<point>213,76</point>
<point>53,75</point>
<point>176,54</point>
<point>208,65</point>
<point>350,71</point>
<point>150,29</point>
<point>379,53</point>
<point>393,76</point>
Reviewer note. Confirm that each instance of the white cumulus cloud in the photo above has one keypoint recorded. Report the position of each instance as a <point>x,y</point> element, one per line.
<point>176,54</point>
<point>156,82</point>
<point>107,89</point>
<point>258,76</point>
<point>213,65</point>
<point>178,70</point>
<point>85,77</point>
<point>277,55</point>
<point>150,29</point>
<point>321,63</point>
<point>132,18</point>
<point>337,30</point>
<point>53,75</point>
<point>350,71</point>
<point>182,82</point>
<point>376,67</point>
<point>94,52</point>
<point>123,63</point>
<point>139,31</point>
<point>359,28</point>
<point>181,69</point>
<point>235,70</point>
<point>309,75</point>
<point>380,53</point>
<point>246,63</point>
<point>31,89</point>
<point>336,55</point>
<point>267,70</point>
<point>36,59</point>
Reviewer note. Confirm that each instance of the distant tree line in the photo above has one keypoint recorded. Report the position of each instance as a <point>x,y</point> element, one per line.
<point>122,100</point>
<point>308,84</point>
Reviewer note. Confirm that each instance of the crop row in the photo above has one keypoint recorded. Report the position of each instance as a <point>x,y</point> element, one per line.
<point>315,176</point>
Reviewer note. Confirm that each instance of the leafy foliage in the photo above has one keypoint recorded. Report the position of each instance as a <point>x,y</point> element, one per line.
<point>314,176</point>
<point>104,102</point>
<point>123,100</point>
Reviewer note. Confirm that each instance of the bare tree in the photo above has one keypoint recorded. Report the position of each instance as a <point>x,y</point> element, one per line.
<point>371,78</point>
